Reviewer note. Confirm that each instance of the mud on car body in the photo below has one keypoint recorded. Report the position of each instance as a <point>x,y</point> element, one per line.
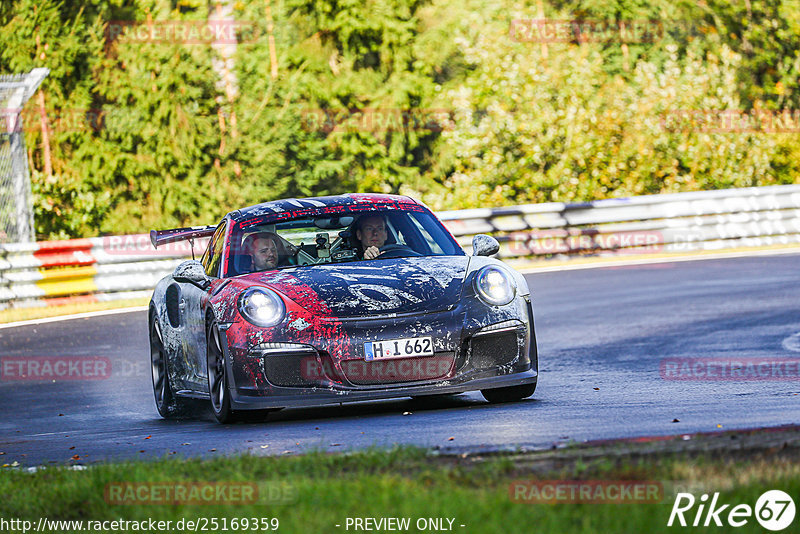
<point>324,326</point>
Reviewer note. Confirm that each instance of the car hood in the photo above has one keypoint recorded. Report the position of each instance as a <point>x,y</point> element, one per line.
<point>378,287</point>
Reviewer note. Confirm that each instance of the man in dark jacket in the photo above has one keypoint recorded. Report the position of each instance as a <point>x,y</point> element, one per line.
<point>371,235</point>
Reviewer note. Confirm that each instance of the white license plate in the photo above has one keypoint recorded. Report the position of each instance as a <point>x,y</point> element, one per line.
<point>398,348</point>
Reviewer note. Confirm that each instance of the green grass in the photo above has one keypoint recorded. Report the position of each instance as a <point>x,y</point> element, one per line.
<point>406,482</point>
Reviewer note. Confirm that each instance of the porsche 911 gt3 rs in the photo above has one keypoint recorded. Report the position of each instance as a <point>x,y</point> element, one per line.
<point>337,299</point>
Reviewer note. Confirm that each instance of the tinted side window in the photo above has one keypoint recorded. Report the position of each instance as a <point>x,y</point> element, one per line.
<point>213,256</point>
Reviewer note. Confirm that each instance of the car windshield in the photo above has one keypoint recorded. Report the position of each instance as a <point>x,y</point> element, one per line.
<point>261,244</point>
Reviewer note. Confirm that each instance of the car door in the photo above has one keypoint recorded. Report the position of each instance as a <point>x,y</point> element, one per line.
<point>192,311</point>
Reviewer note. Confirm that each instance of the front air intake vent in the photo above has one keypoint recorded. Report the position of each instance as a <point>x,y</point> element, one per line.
<point>395,371</point>
<point>492,350</point>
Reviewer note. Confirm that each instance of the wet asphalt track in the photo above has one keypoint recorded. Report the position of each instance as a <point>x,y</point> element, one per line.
<point>602,334</point>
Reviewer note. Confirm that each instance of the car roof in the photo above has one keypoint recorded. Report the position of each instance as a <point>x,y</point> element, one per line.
<point>294,204</point>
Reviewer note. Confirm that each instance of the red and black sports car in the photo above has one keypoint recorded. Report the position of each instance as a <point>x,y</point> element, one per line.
<point>337,299</point>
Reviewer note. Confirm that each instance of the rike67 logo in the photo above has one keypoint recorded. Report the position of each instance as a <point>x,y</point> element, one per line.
<point>774,511</point>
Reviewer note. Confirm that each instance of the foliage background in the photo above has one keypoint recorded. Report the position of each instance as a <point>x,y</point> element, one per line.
<point>523,121</point>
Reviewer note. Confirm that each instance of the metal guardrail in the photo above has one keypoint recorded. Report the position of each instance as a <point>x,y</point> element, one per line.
<point>669,223</point>
<point>94,269</point>
<point>116,267</point>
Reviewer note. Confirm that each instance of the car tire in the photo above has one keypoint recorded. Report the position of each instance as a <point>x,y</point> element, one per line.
<point>218,377</point>
<point>508,394</point>
<point>167,404</point>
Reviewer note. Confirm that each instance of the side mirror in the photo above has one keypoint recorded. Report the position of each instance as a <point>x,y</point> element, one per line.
<point>484,245</point>
<point>192,272</point>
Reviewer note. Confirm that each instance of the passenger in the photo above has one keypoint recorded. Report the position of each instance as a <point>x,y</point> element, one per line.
<point>266,250</point>
<point>371,235</point>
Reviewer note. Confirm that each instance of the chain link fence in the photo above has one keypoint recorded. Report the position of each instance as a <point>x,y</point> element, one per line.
<point>16,211</point>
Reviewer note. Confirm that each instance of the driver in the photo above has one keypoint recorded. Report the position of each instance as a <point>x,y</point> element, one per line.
<point>266,250</point>
<point>371,235</point>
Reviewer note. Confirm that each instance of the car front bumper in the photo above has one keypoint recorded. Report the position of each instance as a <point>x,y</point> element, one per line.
<point>306,397</point>
<point>498,351</point>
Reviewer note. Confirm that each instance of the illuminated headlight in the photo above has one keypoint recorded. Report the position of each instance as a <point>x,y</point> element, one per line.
<point>262,306</point>
<point>495,285</point>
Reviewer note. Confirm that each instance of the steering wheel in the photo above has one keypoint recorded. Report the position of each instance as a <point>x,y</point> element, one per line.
<point>395,250</point>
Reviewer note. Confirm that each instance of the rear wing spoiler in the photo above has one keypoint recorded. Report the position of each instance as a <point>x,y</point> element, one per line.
<point>162,237</point>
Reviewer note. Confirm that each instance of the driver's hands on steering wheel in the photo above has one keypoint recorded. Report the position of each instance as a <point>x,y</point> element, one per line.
<point>371,253</point>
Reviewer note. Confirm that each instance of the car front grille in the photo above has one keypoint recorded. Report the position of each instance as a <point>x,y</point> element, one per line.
<point>492,350</point>
<point>290,364</point>
<point>286,370</point>
<point>394,371</point>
